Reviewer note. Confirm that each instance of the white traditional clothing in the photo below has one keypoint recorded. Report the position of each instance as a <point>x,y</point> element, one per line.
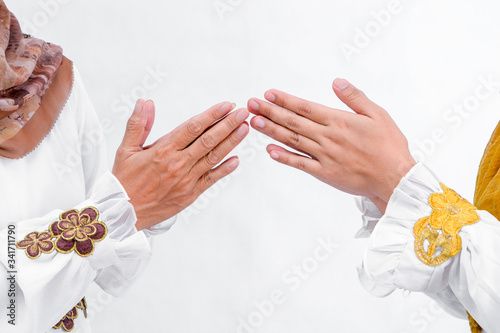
<point>67,171</point>
<point>469,280</point>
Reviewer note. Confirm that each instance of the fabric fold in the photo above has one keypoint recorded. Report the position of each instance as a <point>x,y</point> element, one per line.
<point>390,255</point>
<point>370,216</point>
<point>464,283</point>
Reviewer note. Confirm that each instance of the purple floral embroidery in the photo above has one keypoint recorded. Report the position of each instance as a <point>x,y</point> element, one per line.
<point>78,231</point>
<point>35,243</point>
<point>67,323</point>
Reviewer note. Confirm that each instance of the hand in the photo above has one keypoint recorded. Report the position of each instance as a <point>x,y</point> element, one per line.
<point>169,175</point>
<point>361,153</point>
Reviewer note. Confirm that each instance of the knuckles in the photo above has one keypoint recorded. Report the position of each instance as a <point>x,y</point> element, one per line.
<point>133,122</point>
<point>293,140</point>
<point>212,158</point>
<point>230,123</point>
<point>304,108</point>
<point>233,140</point>
<point>291,123</point>
<point>208,141</point>
<point>193,127</point>
<point>214,114</point>
<point>352,94</point>
<point>265,109</point>
<point>208,180</point>
<point>301,164</point>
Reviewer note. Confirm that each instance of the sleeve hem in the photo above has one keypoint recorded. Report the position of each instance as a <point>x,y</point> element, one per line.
<point>390,261</point>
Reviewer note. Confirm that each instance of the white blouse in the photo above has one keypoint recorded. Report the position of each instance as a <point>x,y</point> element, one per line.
<point>469,280</point>
<point>66,171</point>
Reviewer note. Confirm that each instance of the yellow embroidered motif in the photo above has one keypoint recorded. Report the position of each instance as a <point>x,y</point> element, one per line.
<point>450,212</point>
<point>474,327</point>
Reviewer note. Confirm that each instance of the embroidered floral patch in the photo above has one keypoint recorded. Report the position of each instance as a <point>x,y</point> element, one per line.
<point>35,243</point>
<point>75,230</point>
<point>78,231</point>
<point>67,323</point>
<point>450,212</point>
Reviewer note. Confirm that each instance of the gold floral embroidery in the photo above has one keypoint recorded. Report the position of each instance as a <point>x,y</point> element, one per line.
<point>75,230</point>
<point>450,212</point>
<point>35,243</point>
<point>67,323</point>
<point>78,231</point>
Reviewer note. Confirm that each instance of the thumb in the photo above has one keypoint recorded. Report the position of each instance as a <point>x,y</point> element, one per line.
<point>149,110</point>
<point>355,98</point>
<point>134,132</point>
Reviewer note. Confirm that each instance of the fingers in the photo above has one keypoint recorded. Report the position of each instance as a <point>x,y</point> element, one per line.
<point>284,135</point>
<point>355,99</point>
<point>315,112</point>
<point>297,161</point>
<point>217,134</point>
<point>135,130</point>
<point>213,176</point>
<point>149,108</point>
<point>284,117</point>
<point>189,131</point>
<point>216,155</point>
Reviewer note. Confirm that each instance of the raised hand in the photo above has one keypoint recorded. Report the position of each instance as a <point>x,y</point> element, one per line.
<point>361,153</point>
<point>169,175</point>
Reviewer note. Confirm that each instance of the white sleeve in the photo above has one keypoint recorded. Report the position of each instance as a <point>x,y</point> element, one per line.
<point>116,278</point>
<point>370,216</point>
<point>469,281</point>
<point>54,269</point>
<point>48,284</point>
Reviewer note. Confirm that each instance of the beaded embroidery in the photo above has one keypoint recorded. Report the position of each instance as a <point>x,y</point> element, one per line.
<point>450,212</point>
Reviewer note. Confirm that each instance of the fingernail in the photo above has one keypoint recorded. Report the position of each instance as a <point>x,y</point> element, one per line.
<point>260,123</point>
<point>275,155</point>
<point>242,115</point>
<point>270,96</point>
<point>341,83</point>
<point>233,105</point>
<point>233,164</point>
<point>225,108</point>
<point>254,105</point>
<point>150,103</point>
<point>242,131</point>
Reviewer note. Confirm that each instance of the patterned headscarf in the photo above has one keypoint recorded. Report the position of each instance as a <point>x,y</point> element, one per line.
<point>27,68</point>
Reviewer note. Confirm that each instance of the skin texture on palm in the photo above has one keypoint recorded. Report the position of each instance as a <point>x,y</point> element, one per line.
<point>361,152</point>
<point>164,178</point>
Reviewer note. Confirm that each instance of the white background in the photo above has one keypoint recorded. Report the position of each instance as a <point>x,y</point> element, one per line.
<point>233,247</point>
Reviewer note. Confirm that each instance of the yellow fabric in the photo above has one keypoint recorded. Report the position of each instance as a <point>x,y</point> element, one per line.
<point>450,212</point>
<point>487,195</point>
<point>474,327</point>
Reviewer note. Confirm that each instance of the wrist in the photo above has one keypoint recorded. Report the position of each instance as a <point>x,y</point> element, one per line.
<point>394,178</point>
<point>149,215</point>
<point>381,204</point>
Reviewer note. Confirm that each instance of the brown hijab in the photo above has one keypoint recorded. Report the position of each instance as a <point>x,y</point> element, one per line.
<point>28,67</point>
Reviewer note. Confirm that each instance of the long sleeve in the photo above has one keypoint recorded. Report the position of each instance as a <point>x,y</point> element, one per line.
<point>52,274</point>
<point>466,282</point>
<point>72,222</point>
<point>116,278</point>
